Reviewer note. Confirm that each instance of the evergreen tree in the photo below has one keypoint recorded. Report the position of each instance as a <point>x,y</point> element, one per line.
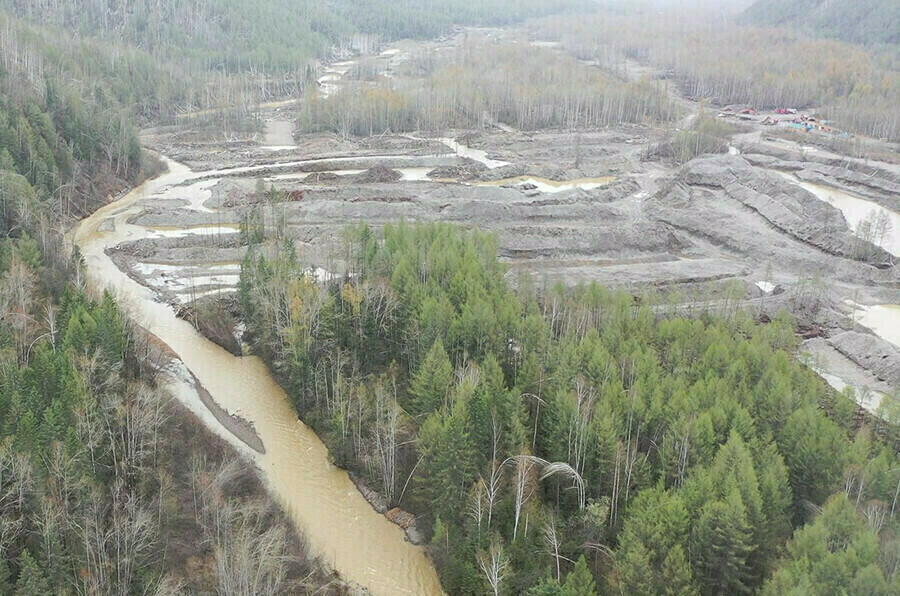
<point>677,573</point>
<point>813,449</point>
<point>835,554</point>
<point>448,455</point>
<point>32,581</point>
<point>432,382</point>
<point>651,552</point>
<point>722,540</point>
<point>546,587</point>
<point>580,581</point>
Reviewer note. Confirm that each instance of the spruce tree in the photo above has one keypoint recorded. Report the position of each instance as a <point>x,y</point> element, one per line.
<point>431,383</point>
<point>580,581</point>
<point>32,581</point>
<point>722,539</point>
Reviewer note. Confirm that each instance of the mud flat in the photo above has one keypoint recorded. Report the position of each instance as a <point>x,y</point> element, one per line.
<point>776,217</point>
<point>639,275</point>
<point>845,362</point>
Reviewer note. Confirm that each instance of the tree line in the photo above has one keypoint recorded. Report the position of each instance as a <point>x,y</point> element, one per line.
<point>268,37</point>
<point>575,441</point>
<point>106,487</point>
<point>525,87</point>
<point>857,87</point>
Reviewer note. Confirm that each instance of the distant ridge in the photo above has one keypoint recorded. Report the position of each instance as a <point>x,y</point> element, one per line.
<point>856,21</point>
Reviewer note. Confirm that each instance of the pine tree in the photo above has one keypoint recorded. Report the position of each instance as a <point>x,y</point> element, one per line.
<point>677,574</point>
<point>814,449</point>
<point>580,581</point>
<point>448,455</point>
<point>546,587</point>
<point>635,574</point>
<point>432,381</point>
<point>32,581</point>
<point>722,539</point>
<point>838,553</point>
<point>654,532</point>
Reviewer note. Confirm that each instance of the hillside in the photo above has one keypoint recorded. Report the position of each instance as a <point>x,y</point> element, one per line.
<point>856,21</point>
<point>449,297</point>
<point>269,35</point>
<point>97,489</point>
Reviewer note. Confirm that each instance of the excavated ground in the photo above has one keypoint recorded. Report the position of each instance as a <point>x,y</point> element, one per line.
<point>566,208</point>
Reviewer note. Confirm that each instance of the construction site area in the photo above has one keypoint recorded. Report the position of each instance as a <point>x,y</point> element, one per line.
<point>776,216</point>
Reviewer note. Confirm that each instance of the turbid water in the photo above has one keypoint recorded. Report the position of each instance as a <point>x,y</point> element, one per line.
<point>882,319</point>
<point>363,546</point>
<point>856,210</point>
<point>546,185</point>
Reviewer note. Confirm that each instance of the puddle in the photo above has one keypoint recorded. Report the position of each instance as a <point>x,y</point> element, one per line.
<point>842,374</point>
<point>147,269</point>
<point>882,319</point>
<point>198,230</point>
<point>551,186</point>
<point>868,399</point>
<point>856,210</point>
<point>474,154</point>
<point>195,195</point>
<point>181,284</point>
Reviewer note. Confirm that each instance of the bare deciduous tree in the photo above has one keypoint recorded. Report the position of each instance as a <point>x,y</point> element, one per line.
<point>494,564</point>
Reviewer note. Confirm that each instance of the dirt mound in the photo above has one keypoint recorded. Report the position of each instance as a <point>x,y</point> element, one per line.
<point>378,174</point>
<point>404,519</point>
<point>870,352</point>
<point>785,206</point>
<point>467,172</point>
<point>319,177</point>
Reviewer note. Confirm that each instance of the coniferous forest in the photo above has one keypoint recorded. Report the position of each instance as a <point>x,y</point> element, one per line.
<point>578,441</point>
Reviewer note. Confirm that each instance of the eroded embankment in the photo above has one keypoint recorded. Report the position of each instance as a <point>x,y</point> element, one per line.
<point>363,546</point>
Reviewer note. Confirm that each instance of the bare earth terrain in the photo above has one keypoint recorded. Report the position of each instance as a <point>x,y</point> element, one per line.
<point>771,224</point>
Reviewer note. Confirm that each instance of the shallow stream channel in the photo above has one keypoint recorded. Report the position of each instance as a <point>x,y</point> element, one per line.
<point>340,525</point>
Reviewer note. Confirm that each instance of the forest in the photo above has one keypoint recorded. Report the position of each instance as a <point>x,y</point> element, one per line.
<point>269,36</point>
<point>766,68</point>
<point>524,87</point>
<point>856,21</point>
<point>64,147</point>
<point>576,441</point>
<point>106,487</point>
<point>550,440</point>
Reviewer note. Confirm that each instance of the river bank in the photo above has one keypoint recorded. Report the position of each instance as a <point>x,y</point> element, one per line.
<point>716,234</point>
<point>339,523</point>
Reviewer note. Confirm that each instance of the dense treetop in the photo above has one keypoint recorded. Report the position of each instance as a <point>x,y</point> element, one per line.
<point>269,35</point>
<point>857,21</point>
<point>573,441</point>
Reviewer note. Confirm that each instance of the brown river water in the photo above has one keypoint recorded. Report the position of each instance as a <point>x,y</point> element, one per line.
<point>340,525</point>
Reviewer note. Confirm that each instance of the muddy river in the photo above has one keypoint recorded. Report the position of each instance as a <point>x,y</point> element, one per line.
<point>363,546</point>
